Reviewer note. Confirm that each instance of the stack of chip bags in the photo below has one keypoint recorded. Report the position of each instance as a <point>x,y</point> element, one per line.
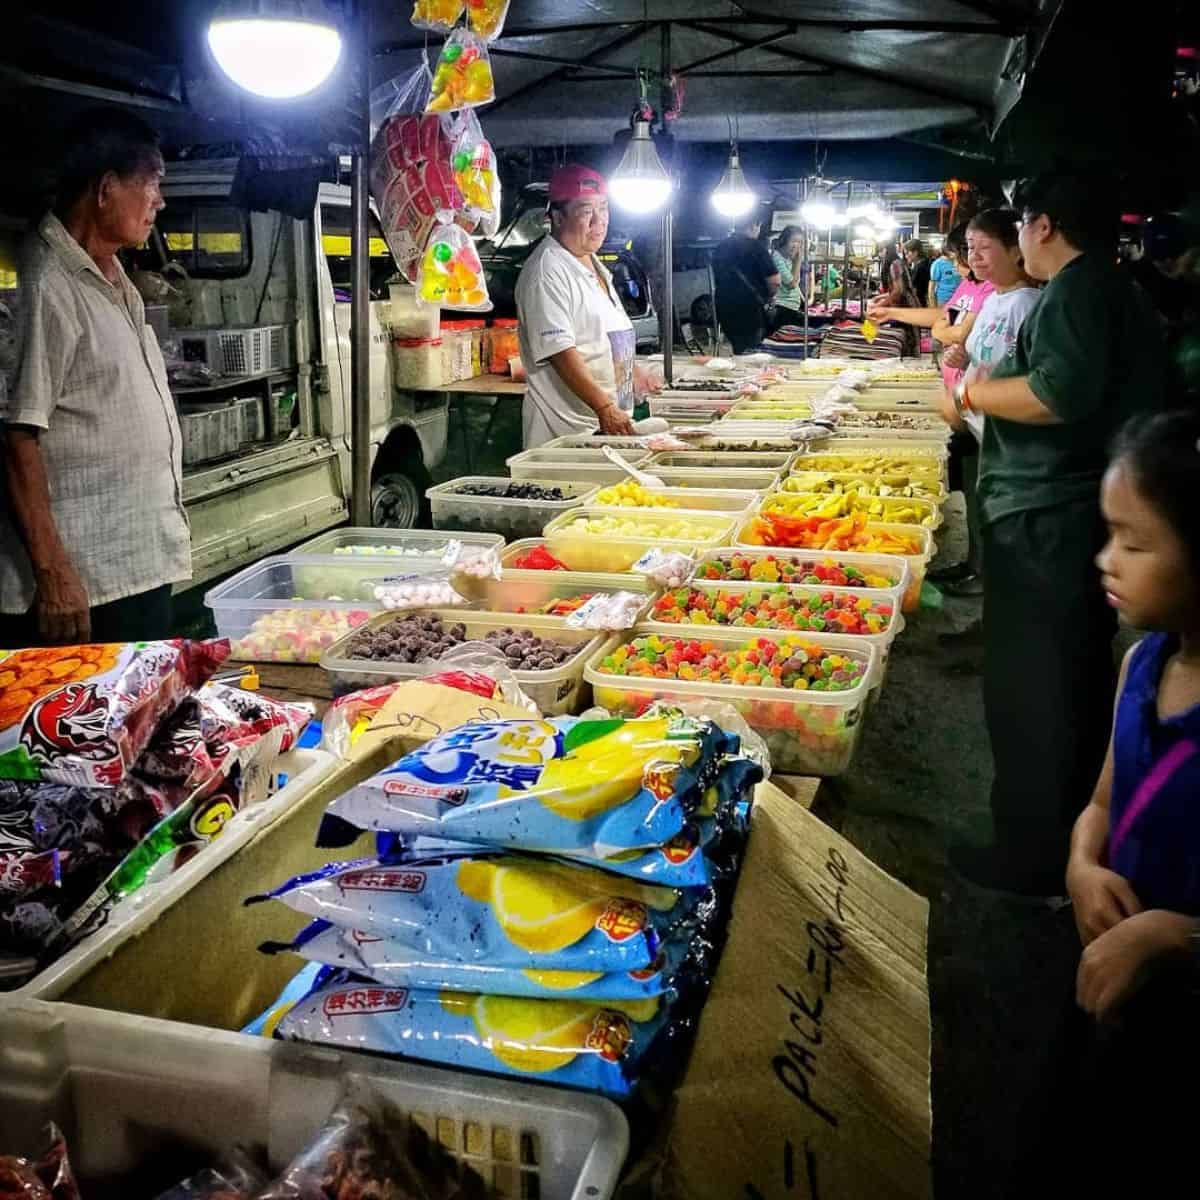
<point>543,894</point>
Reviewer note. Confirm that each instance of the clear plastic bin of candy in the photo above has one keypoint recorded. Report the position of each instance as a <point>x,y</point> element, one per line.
<point>414,544</point>
<point>809,707</point>
<point>547,657</point>
<point>611,540</point>
<point>631,494</point>
<point>896,510</point>
<point>270,614</point>
<point>557,594</point>
<point>513,508</point>
<point>723,460</point>
<point>573,465</point>
<point>874,572</point>
<point>850,535</point>
<point>921,485</point>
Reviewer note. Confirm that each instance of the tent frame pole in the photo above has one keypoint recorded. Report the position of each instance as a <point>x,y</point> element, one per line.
<point>360,275</point>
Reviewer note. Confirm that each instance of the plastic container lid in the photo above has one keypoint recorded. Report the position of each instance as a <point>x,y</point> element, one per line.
<point>413,343</point>
<point>505,323</point>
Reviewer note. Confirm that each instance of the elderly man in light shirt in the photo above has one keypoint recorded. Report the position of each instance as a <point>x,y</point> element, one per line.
<point>92,526</point>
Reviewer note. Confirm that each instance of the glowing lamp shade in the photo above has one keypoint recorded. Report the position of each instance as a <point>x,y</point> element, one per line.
<point>733,197</point>
<point>819,211</point>
<point>277,58</point>
<point>640,183</point>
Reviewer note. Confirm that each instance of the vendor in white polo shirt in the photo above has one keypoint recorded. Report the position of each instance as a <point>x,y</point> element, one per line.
<point>577,344</point>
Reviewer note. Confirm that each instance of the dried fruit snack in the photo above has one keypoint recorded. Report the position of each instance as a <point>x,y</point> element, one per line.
<point>504,910</point>
<point>452,273</point>
<point>487,17</point>
<point>566,786</point>
<point>438,16</point>
<point>82,714</point>
<point>393,964</point>
<point>463,76</point>
<point>573,1042</point>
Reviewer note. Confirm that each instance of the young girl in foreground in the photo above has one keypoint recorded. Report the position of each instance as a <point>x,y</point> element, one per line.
<point>1134,870</point>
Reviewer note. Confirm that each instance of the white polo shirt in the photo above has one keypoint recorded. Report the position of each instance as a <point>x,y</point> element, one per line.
<point>562,304</point>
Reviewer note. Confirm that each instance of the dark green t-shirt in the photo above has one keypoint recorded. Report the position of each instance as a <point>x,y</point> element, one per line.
<point>1093,352</point>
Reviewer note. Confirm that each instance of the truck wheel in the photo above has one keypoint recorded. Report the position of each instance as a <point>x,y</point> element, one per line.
<point>398,501</point>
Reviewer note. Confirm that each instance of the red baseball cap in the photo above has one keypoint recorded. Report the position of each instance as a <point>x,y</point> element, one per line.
<point>572,181</point>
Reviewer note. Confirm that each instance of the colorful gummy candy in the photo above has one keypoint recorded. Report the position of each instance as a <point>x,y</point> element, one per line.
<point>898,510</point>
<point>438,15</point>
<point>773,568</point>
<point>815,533</point>
<point>538,559</point>
<point>487,17</point>
<point>296,634</point>
<point>776,608</point>
<point>559,608</point>
<point>791,662</point>
<point>632,495</point>
<point>451,273</point>
<point>463,78</point>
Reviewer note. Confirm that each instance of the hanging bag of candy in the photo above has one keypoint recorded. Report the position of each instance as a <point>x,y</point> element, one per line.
<point>438,16</point>
<point>463,76</point>
<point>451,273</point>
<point>475,173</point>
<point>487,17</point>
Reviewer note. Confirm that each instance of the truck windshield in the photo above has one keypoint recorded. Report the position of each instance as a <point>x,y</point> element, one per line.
<point>210,239</point>
<point>335,241</point>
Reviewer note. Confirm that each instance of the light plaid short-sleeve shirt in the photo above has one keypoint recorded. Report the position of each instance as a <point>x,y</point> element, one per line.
<point>90,375</point>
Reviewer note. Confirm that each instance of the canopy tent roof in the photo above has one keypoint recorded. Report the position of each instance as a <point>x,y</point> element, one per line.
<point>565,69</point>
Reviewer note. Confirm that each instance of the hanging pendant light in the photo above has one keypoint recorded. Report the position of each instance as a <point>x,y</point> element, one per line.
<point>733,196</point>
<point>640,183</point>
<point>278,49</point>
<point>818,210</point>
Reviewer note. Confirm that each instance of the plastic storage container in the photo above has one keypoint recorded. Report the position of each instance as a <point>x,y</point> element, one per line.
<point>408,318</point>
<point>417,364</point>
<point>291,608</point>
<point>580,465</point>
<point>803,481</point>
<point>732,478</point>
<point>612,553</point>
<point>808,733</point>
<point>916,562</point>
<point>895,510</point>
<point>526,591</point>
<point>513,519</point>
<point>694,499</point>
<point>303,771</point>
<point>503,343</point>
<point>892,566</point>
<point>252,419</point>
<point>414,546</point>
<point>556,692</point>
<point>723,460</point>
<point>134,1094</point>
<point>209,433</point>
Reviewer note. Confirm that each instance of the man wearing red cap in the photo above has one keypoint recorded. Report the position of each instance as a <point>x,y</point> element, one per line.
<point>577,343</point>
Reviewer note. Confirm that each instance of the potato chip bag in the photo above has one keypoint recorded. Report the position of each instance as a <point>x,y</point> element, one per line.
<point>579,1043</point>
<point>559,786</point>
<point>81,715</point>
<point>503,910</point>
<point>396,965</point>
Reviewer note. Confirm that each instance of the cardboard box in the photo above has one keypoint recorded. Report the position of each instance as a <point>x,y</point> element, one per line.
<point>810,1073</point>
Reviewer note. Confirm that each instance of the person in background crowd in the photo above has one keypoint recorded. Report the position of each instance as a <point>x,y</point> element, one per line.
<point>1132,873</point>
<point>919,269</point>
<point>1088,356</point>
<point>577,343</point>
<point>943,277</point>
<point>92,526</point>
<point>746,281</point>
<point>995,259</point>
<point>795,277</point>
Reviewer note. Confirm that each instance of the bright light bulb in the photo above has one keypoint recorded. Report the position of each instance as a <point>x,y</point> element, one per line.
<point>279,60</point>
<point>865,233</point>
<point>639,194</point>
<point>819,213</point>
<point>641,183</point>
<point>733,196</point>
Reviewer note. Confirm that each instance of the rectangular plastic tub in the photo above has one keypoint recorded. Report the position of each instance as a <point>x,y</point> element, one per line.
<point>511,519</point>
<point>154,1098</point>
<point>556,692</point>
<point>594,441</point>
<point>802,481</point>
<point>304,770</point>
<point>896,510</point>
<point>525,591</point>
<point>571,463</point>
<point>723,460</point>
<point>732,479</point>
<point>412,545</point>
<point>290,607</point>
<point>917,562</point>
<point>853,450</point>
<point>612,553</point>
<point>808,733</point>
<point>694,499</point>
